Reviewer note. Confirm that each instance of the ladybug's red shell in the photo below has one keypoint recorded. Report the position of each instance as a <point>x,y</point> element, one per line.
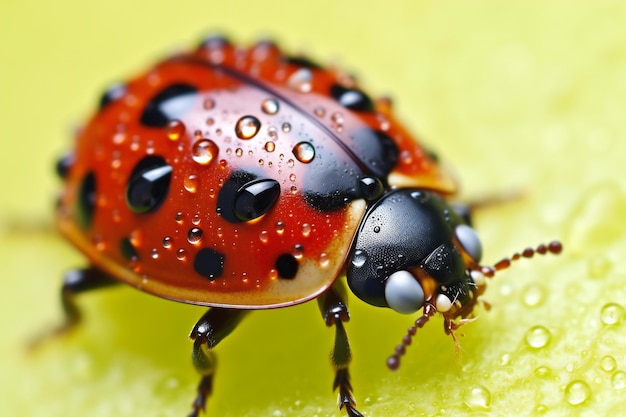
<point>230,177</point>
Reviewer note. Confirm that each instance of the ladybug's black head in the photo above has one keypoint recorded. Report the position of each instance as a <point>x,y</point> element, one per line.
<point>412,248</point>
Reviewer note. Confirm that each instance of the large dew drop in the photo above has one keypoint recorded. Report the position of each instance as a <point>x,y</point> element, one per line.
<point>304,152</point>
<point>204,151</point>
<point>247,127</point>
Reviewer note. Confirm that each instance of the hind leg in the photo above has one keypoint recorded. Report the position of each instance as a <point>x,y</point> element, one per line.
<point>75,282</point>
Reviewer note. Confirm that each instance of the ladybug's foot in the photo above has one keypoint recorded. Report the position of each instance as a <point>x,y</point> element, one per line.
<point>205,387</point>
<point>75,282</point>
<point>212,328</point>
<point>346,399</point>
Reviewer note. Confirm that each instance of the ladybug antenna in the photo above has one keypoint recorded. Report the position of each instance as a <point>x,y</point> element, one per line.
<point>555,247</point>
<point>393,362</point>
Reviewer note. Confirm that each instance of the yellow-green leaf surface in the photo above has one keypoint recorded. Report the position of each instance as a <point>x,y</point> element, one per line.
<point>523,96</point>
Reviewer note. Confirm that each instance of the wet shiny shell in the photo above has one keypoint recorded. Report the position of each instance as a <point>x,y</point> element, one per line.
<point>233,177</point>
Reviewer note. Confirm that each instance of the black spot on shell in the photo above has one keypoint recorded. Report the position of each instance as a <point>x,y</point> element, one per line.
<point>86,203</point>
<point>371,188</point>
<point>209,263</point>
<point>170,103</point>
<point>256,198</point>
<point>376,150</point>
<point>302,61</point>
<point>227,195</point>
<point>113,93</point>
<point>351,98</point>
<point>64,164</point>
<point>214,41</point>
<point>148,184</point>
<point>287,266</point>
<point>127,250</point>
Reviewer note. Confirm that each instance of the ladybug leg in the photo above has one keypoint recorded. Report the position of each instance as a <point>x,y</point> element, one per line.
<point>212,328</point>
<point>334,309</point>
<point>75,282</point>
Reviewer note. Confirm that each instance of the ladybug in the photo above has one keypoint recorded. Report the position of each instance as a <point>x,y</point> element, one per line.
<point>245,178</point>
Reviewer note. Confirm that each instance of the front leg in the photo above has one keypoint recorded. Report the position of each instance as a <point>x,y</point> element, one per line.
<point>334,309</point>
<point>212,328</point>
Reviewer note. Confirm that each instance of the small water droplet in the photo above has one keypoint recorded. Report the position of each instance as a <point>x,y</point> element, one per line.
<point>181,255</point>
<point>99,243</point>
<point>618,380</point>
<point>406,158</point>
<point>505,359</point>
<point>239,152</point>
<point>608,363</point>
<point>477,398</point>
<point>270,106</point>
<point>204,151</point>
<point>264,236</point>
<point>301,80</point>
<point>272,132</point>
<point>298,251</point>
<point>337,118</point>
<point>194,236</point>
<point>319,111</point>
<point>191,183</point>
<point>292,177</point>
<point>324,260</point>
<point>270,146</point>
<point>154,253</point>
<point>178,217</point>
<point>210,121</point>
<point>306,229</point>
<point>577,392</point>
<point>543,372</point>
<point>376,229</point>
<point>135,238</point>
<point>538,337</point>
<point>167,242</point>
<point>247,127</point>
<point>286,127</point>
<point>196,219</point>
<point>273,274</point>
<point>119,138</point>
<point>175,129</point>
<point>209,104</point>
<point>612,314</point>
<point>304,152</point>
<point>359,258</point>
<point>279,227</point>
<point>533,295</point>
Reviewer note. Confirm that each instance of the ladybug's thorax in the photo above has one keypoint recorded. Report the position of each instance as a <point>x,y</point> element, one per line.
<point>411,247</point>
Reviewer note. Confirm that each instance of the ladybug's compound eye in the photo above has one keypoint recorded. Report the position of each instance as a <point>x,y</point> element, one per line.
<point>404,293</point>
<point>470,241</point>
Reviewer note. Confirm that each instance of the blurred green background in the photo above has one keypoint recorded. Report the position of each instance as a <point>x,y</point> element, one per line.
<point>523,96</point>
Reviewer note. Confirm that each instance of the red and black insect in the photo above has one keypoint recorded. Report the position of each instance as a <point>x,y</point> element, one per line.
<point>244,178</point>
